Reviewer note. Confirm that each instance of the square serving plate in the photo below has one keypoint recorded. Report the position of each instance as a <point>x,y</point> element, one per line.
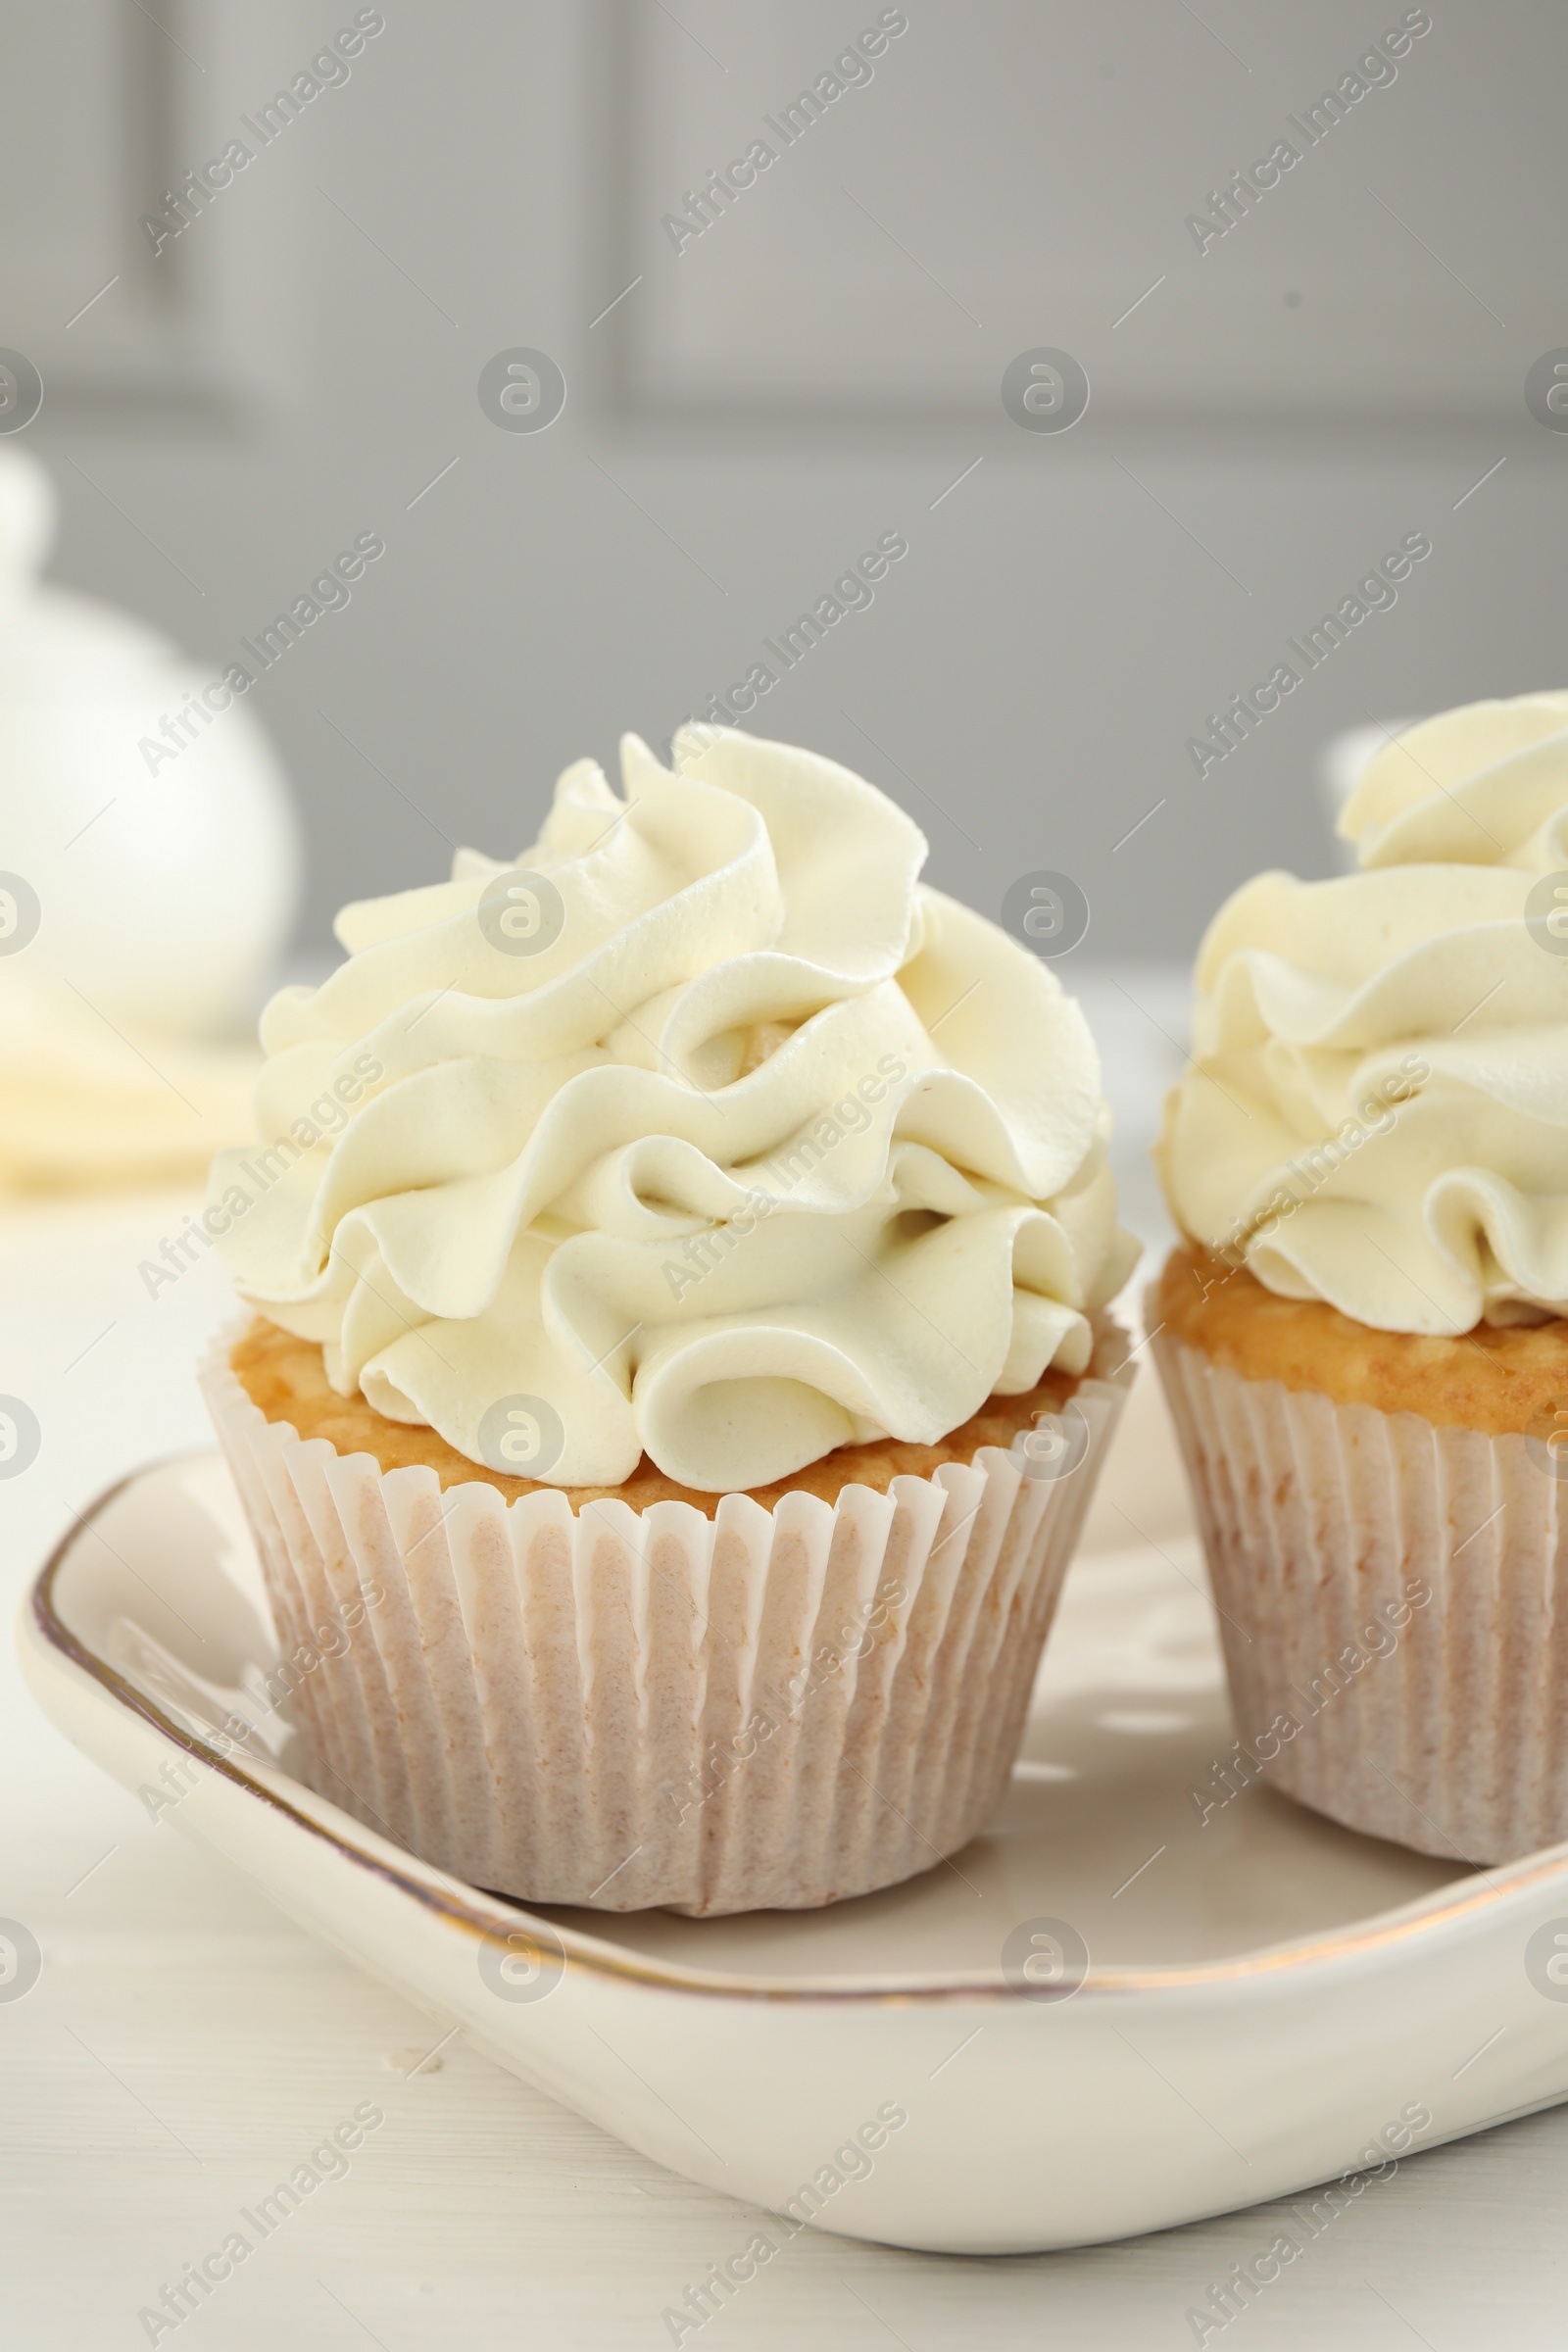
<point>1125,2006</point>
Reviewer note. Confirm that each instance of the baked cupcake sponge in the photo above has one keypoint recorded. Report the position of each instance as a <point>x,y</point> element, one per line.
<point>1386,1520</point>
<point>651,1695</point>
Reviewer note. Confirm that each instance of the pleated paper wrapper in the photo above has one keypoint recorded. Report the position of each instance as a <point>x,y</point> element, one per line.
<point>1440,1723</point>
<point>768,1710</point>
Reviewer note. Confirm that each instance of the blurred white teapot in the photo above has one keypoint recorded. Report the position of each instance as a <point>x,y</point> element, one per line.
<point>163,887</point>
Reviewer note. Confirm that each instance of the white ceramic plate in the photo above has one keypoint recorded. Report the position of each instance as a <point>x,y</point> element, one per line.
<point>1267,1997</point>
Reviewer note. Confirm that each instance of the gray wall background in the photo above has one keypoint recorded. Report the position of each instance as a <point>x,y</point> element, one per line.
<point>817,369</point>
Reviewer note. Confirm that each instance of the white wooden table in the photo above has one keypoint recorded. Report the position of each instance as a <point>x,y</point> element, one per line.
<point>185,2046</point>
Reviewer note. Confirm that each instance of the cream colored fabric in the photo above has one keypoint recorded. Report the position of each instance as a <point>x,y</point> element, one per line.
<point>766,1148</point>
<point>1377,1114</point>
<point>87,1103</point>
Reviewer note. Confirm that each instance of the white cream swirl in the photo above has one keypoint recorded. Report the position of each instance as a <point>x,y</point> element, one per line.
<point>764,1148</point>
<point>1377,1113</point>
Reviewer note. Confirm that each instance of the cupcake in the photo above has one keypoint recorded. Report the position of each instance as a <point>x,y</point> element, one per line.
<point>677,1362</point>
<point>1362,1334</point>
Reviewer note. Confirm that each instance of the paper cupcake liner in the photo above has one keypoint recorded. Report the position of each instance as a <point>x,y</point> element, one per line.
<point>1393,1608</point>
<point>768,1710</point>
